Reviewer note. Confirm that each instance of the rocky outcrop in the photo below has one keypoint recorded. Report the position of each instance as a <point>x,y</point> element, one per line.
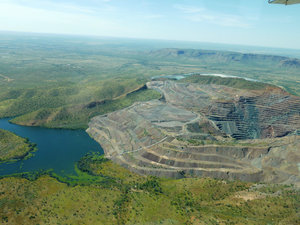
<point>206,130</point>
<point>243,114</point>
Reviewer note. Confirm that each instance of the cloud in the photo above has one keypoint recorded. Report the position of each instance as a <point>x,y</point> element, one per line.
<point>64,6</point>
<point>196,14</point>
<point>188,9</point>
<point>221,20</point>
<point>154,16</point>
<point>74,20</point>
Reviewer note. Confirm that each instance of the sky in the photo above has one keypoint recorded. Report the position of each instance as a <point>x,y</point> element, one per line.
<point>243,22</point>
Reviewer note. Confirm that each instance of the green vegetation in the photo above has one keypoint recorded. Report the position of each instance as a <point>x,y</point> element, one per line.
<point>13,147</point>
<point>78,116</point>
<point>264,68</point>
<point>50,81</point>
<point>231,82</point>
<point>62,82</point>
<point>109,194</point>
<point>54,85</point>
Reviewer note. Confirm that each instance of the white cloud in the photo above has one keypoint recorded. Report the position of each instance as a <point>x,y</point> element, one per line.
<point>188,9</point>
<point>153,16</point>
<point>63,6</point>
<point>221,20</point>
<point>73,21</point>
<point>197,14</point>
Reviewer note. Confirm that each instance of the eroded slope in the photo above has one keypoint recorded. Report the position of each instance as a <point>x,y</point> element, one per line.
<point>193,131</point>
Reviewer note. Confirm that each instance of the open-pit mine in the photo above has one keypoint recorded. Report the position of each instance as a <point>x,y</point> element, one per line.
<point>197,129</point>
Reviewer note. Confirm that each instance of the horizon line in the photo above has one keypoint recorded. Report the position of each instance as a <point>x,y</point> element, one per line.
<point>144,38</point>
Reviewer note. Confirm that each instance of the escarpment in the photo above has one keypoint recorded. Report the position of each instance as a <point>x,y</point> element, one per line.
<point>206,130</point>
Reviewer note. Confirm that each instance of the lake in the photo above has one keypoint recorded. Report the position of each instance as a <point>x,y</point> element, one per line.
<point>58,149</point>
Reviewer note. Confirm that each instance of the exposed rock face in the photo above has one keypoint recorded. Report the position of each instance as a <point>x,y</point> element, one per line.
<point>190,133</point>
<point>243,114</point>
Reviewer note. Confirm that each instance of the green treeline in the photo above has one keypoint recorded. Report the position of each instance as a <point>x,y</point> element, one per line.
<point>105,193</point>
<point>78,116</point>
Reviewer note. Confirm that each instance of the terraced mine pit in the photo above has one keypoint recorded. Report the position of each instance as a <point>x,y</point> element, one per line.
<point>210,130</point>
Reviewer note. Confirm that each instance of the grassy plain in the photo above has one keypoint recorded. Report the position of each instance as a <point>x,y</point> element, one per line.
<point>13,147</point>
<point>121,197</point>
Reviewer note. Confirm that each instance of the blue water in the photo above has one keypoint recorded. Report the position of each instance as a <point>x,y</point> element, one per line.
<point>58,149</point>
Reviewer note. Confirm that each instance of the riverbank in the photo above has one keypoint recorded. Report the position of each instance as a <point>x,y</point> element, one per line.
<point>59,149</point>
<point>14,148</point>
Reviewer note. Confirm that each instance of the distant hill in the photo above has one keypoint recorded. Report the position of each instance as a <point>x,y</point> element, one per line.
<point>226,57</point>
<point>290,63</point>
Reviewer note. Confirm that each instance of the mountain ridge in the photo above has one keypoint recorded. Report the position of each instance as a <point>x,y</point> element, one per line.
<point>226,56</point>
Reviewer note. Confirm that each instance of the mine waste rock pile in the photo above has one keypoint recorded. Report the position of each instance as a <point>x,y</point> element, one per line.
<point>241,130</point>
